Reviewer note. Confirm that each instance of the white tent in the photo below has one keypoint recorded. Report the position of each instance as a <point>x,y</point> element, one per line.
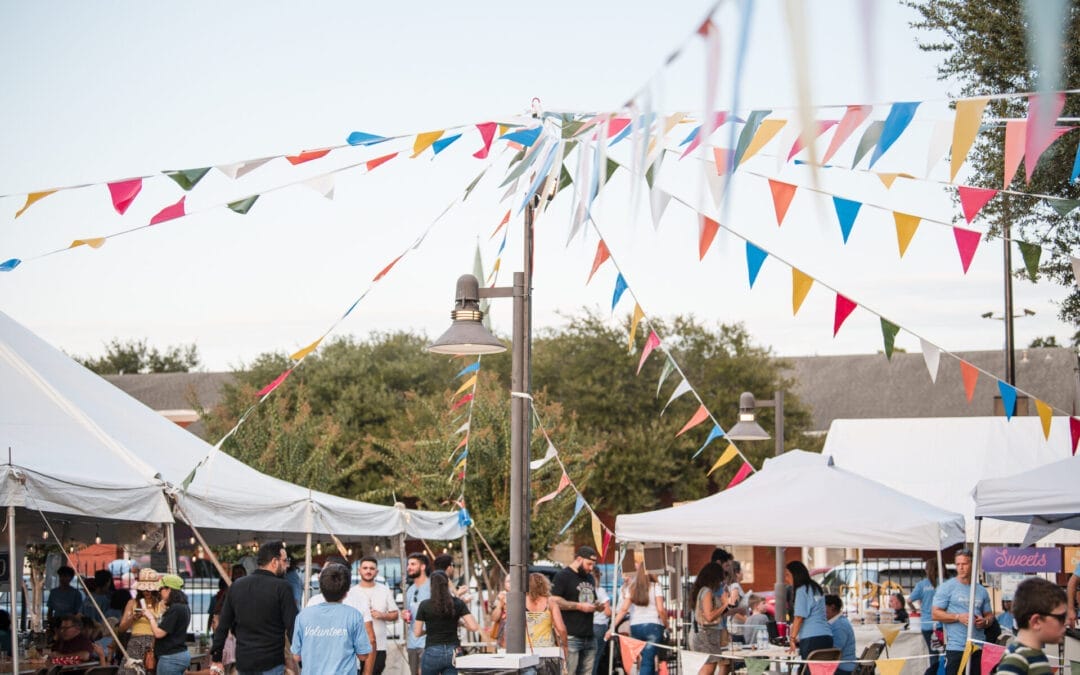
<point>1044,498</point>
<point>940,460</point>
<point>800,499</point>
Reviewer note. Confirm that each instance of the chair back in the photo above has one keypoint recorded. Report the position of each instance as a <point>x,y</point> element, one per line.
<point>871,653</point>
<point>830,654</point>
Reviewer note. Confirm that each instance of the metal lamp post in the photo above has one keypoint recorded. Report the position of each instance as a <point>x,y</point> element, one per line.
<point>747,429</point>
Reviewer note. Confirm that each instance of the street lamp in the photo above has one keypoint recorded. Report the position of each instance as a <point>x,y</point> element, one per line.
<point>747,429</point>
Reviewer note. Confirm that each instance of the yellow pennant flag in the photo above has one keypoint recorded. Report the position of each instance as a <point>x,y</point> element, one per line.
<point>906,224</point>
<point>597,532</point>
<point>638,316</point>
<point>969,114</point>
<point>467,384</point>
<point>890,666</point>
<point>969,650</point>
<point>503,128</point>
<point>800,286</point>
<point>887,179</point>
<point>306,350</point>
<point>96,242</point>
<point>765,133</point>
<point>31,198</point>
<point>424,141</point>
<point>729,454</point>
<point>1046,413</point>
<point>889,631</point>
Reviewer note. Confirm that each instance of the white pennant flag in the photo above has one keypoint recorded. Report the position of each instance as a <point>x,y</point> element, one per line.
<point>717,184</point>
<point>509,191</point>
<point>691,662</point>
<point>577,221</point>
<point>939,143</point>
<point>1076,270</point>
<point>324,185</point>
<point>683,387</point>
<point>463,427</point>
<point>658,201</point>
<point>788,135</point>
<point>537,463</point>
<point>238,169</point>
<point>932,356</point>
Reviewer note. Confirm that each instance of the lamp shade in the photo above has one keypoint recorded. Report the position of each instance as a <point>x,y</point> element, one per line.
<point>747,428</point>
<point>467,334</point>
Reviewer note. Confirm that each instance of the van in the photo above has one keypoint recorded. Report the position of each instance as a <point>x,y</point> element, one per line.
<point>891,573</point>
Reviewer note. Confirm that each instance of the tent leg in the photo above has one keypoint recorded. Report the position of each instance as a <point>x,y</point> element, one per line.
<point>858,581</point>
<point>170,547</point>
<point>615,602</point>
<point>971,592</point>
<point>12,576</point>
<point>465,571</point>
<point>307,569</point>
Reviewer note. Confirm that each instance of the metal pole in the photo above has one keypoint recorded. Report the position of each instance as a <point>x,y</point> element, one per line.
<point>778,437</point>
<point>307,569</point>
<point>170,547</point>
<point>465,570</point>
<point>971,591</point>
<point>12,576</point>
<point>1010,339</point>
<point>515,599</point>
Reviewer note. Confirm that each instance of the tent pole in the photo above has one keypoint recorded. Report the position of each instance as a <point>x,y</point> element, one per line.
<point>465,571</point>
<point>307,569</point>
<point>615,602</point>
<point>971,592</point>
<point>858,580</point>
<point>940,569</point>
<point>170,547</point>
<point>11,589</point>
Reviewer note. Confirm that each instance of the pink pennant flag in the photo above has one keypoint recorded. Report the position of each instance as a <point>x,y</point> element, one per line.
<point>487,133</point>
<point>607,541</point>
<point>564,483</point>
<point>700,416</point>
<point>744,471</point>
<point>966,243</point>
<point>651,343</point>
<point>602,254</point>
<point>124,192</point>
<point>1043,111</point>
<point>972,199</point>
<point>824,667</point>
<point>630,650</point>
<point>1015,136</point>
<point>386,269</point>
<point>616,125</point>
<point>991,655</point>
<point>844,308</point>
<point>169,212</point>
<point>853,117</point>
<point>822,127</point>
<point>1074,432</point>
<point>275,384</point>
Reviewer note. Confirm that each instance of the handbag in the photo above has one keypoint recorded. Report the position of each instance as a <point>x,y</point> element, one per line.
<point>150,660</point>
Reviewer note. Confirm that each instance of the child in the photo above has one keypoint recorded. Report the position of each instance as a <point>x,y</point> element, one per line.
<point>755,623</point>
<point>327,638</point>
<point>1039,609</point>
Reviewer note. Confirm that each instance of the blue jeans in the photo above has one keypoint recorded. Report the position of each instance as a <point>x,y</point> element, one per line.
<point>651,633</point>
<point>438,660</point>
<point>173,664</point>
<point>928,638</point>
<point>276,670</point>
<point>581,654</point>
<point>599,663</point>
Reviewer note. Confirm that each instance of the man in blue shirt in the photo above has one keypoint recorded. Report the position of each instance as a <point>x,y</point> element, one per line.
<point>951,608</point>
<point>329,637</point>
<point>843,635</point>
<point>64,600</point>
<point>417,570</point>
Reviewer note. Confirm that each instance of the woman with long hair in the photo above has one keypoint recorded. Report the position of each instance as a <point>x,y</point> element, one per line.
<point>137,612</point>
<point>810,628</point>
<point>923,593</point>
<point>544,623</point>
<point>645,604</point>
<point>711,603</point>
<point>170,630</point>
<point>438,618</point>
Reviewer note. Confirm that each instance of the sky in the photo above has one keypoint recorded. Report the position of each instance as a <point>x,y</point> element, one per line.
<point>95,92</point>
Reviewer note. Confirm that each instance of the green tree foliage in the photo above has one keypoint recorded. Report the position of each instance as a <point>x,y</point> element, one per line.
<point>984,49</point>
<point>134,356</point>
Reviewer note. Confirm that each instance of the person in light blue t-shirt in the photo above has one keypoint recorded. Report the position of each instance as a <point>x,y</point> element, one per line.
<point>417,571</point>
<point>810,628</point>
<point>923,593</point>
<point>328,638</point>
<point>1006,619</point>
<point>843,634</point>
<point>951,609</point>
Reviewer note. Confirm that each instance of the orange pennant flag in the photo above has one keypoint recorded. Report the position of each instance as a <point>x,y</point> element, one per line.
<point>602,254</point>
<point>722,157</point>
<point>887,179</point>
<point>971,375</point>
<point>800,286</point>
<point>707,229</point>
<point>700,416</point>
<point>378,161</point>
<point>386,269</point>
<point>1046,413</point>
<point>1015,136</point>
<point>639,314</point>
<point>306,350</point>
<point>765,133</point>
<point>969,114</point>
<point>424,141</point>
<point>782,193</point>
<point>307,156</point>
<point>96,242</point>
<point>906,224</point>
<point>630,650</point>
<point>31,198</point>
<point>505,220</point>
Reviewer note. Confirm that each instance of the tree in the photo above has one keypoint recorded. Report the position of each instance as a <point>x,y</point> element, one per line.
<point>134,356</point>
<point>1048,341</point>
<point>984,49</point>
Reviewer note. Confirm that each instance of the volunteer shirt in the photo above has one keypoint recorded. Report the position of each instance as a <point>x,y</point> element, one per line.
<point>576,587</point>
<point>811,608</point>
<point>952,597</point>
<point>328,637</point>
<point>843,638</point>
<point>352,599</point>
<point>380,599</point>
<point>413,597</point>
<point>923,593</point>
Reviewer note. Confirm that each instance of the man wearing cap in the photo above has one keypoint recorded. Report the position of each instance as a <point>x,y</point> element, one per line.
<point>574,592</point>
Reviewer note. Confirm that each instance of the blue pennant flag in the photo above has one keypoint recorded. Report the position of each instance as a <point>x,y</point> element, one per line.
<point>463,518</point>
<point>471,368</point>
<point>541,175</point>
<point>716,433</point>
<point>899,118</point>
<point>361,138</point>
<point>754,259</point>
<point>441,144</point>
<point>846,210</point>
<point>620,288</point>
<point>578,505</point>
<point>1008,398</point>
<point>1076,167</point>
<point>9,265</point>
<point>691,136</point>
<point>525,137</point>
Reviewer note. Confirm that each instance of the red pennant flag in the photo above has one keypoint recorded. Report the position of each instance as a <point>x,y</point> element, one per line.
<point>602,254</point>
<point>707,229</point>
<point>853,117</point>
<point>651,343</point>
<point>505,220</point>
<point>971,375</point>
<point>607,540</point>
<point>782,194</point>
<point>462,401</point>
<point>616,125</point>
<point>274,385</point>
<point>966,243</point>
<point>699,417</point>
<point>487,132</point>
<point>386,269</point>
<point>1074,431</point>
<point>307,156</point>
<point>378,161</point>
<point>823,668</point>
<point>972,199</point>
<point>169,212</point>
<point>991,655</point>
<point>844,308</point>
<point>822,127</point>
<point>662,669</point>
<point>630,650</point>
<point>744,471</point>
<point>124,192</point>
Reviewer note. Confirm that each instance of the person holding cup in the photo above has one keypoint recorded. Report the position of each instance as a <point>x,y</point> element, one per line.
<point>146,603</point>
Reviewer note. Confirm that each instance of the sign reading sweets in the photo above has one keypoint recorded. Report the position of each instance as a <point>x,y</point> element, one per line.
<point>1029,560</point>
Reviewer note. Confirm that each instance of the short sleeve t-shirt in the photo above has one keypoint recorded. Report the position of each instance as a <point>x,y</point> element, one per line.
<point>952,597</point>
<point>175,622</point>
<point>843,638</point>
<point>413,597</point>
<point>65,600</point>
<point>811,607</point>
<point>576,587</point>
<point>441,629</point>
<point>328,637</point>
<point>601,620</point>
<point>648,614</point>
<point>379,599</point>
<point>923,593</point>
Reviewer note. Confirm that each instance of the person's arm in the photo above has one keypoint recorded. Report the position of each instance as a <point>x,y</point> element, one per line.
<point>127,619</point>
<point>469,622</point>
<point>391,611</point>
<point>623,609</point>
<point>710,609</point>
<point>221,633</point>
<point>500,607</point>
<point>941,616</point>
<point>155,628</point>
<point>1070,594</point>
<point>100,653</point>
<point>369,663</point>
<point>418,628</point>
<point>660,611</point>
<point>288,608</point>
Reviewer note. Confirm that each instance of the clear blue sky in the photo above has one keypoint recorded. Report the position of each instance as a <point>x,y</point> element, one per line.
<point>97,91</point>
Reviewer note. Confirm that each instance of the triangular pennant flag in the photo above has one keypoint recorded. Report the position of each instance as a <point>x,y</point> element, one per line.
<point>609,169</point>
<point>504,221</point>
<point>425,140</point>
<point>639,314</point>
<point>972,199</point>
<point>755,257</point>
<point>822,127</point>
<point>714,433</point>
<point>707,229</point>
<point>362,138</point>
<point>525,137</point>
<point>579,504</point>
<point>891,666</point>
<point>897,121</point>
<point>844,308</point>
<point>608,535</point>
<point>1031,254</point>
<point>12,263</point>
<point>1063,206</point>
<point>888,336</point>
<point>1015,134</point>
<point>471,368</point>
<point>462,401</point>
<point>597,532</point>
<point>868,141</point>
<point>765,133</point>
<point>730,453</point>
<point>969,649</point>
<point>800,286</point>
<point>169,212</point>
<point>1076,270</point>
<point>463,427</point>
<point>564,482</point>
<point>906,224</point>
<point>620,288</point>
<point>242,206</point>
<point>275,384</point>
<point>970,375</point>
<point>658,201</point>
<point>1076,167</point>
<point>1046,414</point>
<point>188,178</point>
<point>1043,111</point>
<point>96,242</point>
<point>969,112</point>
<point>324,185</point>
<point>753,667</point>
<point>371,164</point>
<point>825,667</point>
<point>443,143</point>
<point>744,471</point>
<point>602,254</point>
<point>887,179</point>
<point>487,134</point>
<point>846,211</point>
<point>717,185</point>
<point>693,139</point>
<point>31,198</point>
<point>666,370</point>
<point>782,193</point>
<point>538,463</point>
<point>308,155</point>
<point>722,158</point>
<point>991,655</point>
<point>565,180</point>
<point>932,357</point>
<point>382,273</point>
<point>124,192</point>
<point>683,388</point>
<point>651,343</point>
<point>306,350</point>
<point>1074,432</point>
<point>753,121</point>
<point>854,116</point>
<point>247,167</point>
<point>939,144</point>
<point>630,650</point>
<point>467,384</point>
<point>616,126</point>
<point>966,243</point>
<point>700,416</point>
<point>1008,398</point>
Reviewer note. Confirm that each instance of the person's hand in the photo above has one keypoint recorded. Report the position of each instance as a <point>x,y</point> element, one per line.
<point>793,645</point>
<point>217,668</point>
<point>962,618</point>
<point>406,615</point>
<point>586,607</point>
<point>980,622</point>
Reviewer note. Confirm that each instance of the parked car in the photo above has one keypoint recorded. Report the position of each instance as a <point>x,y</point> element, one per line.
<point>890,572</point>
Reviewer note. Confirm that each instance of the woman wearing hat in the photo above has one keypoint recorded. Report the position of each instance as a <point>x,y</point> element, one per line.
<point>146,603</point>
<point>171,630</point>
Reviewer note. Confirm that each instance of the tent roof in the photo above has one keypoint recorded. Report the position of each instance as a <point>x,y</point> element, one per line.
<point>1045,496</point>
<point>800,499</point>
<point>941,459</point>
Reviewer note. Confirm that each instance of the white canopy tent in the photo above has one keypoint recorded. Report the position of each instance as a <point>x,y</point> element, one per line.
<point>1044,498</point>
<point>821,505</point>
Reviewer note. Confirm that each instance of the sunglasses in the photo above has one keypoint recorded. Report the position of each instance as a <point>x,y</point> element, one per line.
<point>1060,617</point>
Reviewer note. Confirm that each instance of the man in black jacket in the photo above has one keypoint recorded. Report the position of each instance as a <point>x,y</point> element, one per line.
<point>260,611</point>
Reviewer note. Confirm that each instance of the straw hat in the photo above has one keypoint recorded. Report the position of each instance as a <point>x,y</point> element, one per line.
<point>149,580</point>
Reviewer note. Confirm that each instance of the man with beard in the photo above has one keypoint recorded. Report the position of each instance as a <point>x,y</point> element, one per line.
<point>574,592</point>
<point>382,607</point>
<point>417,570</point>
